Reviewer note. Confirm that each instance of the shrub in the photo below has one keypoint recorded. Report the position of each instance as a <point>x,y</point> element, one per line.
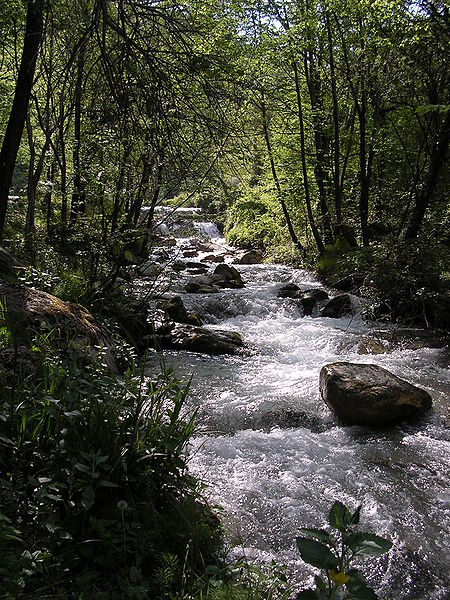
<point>93,480</point>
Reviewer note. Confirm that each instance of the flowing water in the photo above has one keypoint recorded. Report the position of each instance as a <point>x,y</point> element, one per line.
<point>276,459</point>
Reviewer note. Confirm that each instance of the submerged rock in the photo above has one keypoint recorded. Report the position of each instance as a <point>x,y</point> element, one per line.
<point>366,394</point>
<point>290,290</point>
<point>199,339</point>
<point>215,258</point>
<point>308,298</point>
<point>338,306</point>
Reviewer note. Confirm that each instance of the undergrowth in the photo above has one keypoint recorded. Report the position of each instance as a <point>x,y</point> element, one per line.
<point>94,489</point>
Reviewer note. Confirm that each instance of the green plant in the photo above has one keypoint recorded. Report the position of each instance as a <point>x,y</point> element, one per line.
<point>93,476</point>
<point>334,554</point>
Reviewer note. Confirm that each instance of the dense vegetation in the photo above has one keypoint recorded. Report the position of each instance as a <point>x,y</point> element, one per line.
<point>317,130</point>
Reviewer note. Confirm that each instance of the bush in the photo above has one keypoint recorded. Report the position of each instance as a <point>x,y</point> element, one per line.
<point>255,220</point>
<point>94,489</point>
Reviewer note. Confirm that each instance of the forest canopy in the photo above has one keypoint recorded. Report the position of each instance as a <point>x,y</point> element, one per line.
<point>330,119</point>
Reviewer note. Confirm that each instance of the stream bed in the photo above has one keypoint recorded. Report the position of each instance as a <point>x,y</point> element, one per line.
<point>274,456</point>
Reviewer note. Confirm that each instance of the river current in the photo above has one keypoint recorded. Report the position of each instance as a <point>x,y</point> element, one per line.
<point>275,458</point>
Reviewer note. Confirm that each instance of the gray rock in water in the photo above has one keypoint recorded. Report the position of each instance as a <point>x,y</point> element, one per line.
<point>365,394</point>
<point>203,284</point>
<point>227,277</point>
<point>215,258</point>
<point>338,307</point>
<point>178,313</point>
<point>206,341</point>
<point>252,257</point>
<point>309,299</point>
<point>290,290</point>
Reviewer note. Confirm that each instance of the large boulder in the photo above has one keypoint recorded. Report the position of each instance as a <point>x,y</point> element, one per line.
<point>252,257</point>
<point>199,339</point>
<point>177,312</point>
<point>351,283</point>
<point>309,298</point>
<point>338,306</point>
<point>290,290</point>
<point>226,276</point>
<point>366,394</point>
<point>30,311</point>
<point>202,284</point>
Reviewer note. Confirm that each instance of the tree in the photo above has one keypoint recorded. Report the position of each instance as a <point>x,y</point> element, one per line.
<point>17,117</point>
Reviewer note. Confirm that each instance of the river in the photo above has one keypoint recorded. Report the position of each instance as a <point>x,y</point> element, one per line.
<point>275,458</point>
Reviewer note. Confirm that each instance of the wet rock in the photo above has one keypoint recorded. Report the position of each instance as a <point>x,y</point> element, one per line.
<point>352,283</point>
<point>202,247</point>
<point>226,276</point>
<point>338,307</point>
<point>371,347</point>
<point>290,290</point>
<point>252,257</point>
<point>309,299</point>
<point>148,269</point>
<point>195,265</point>
<point>288,418</point>
<point>215,258</point>
<point>365,394</point>
<point>190,253</point>
<point>205,341</point>
<point>177,312</point>
<point>202,284</point>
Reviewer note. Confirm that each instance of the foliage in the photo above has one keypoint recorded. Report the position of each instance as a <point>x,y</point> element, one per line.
<point>255,220</point>
<point>419,296</point>
<point>93,480</point>
<point>335,554</point>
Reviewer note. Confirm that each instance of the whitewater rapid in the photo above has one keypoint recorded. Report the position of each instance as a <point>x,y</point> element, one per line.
<point>275,458</point>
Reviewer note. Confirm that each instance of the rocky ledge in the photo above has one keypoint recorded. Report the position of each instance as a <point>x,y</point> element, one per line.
<point>366,394</point>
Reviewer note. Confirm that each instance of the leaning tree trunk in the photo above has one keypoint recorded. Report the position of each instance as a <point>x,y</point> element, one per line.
<point>24,84</point>
<point>286,214</point>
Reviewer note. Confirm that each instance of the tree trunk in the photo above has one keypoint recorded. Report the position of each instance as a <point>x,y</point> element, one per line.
<point>321,140</point>
<point>437,162</point>
<point>24,84</point>
<point>78,195</point>
<point>287,217</point>
<point>336,144</point>
<point>315,231</point>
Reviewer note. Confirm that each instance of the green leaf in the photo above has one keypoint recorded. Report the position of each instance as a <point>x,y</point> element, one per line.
<point>82,468</point>
<point>368,544</point>
<point>317,534</point>
<point>134,574</point>
<point>88,497</point>
<point>105,483</point>
<point>316,554</point>
<point>320,583</point>
<point>358,588</point>
<point>339,517</point>
<point>356,515</point>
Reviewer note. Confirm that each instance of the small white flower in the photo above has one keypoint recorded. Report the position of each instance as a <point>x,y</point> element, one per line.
<point>122,505</point>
